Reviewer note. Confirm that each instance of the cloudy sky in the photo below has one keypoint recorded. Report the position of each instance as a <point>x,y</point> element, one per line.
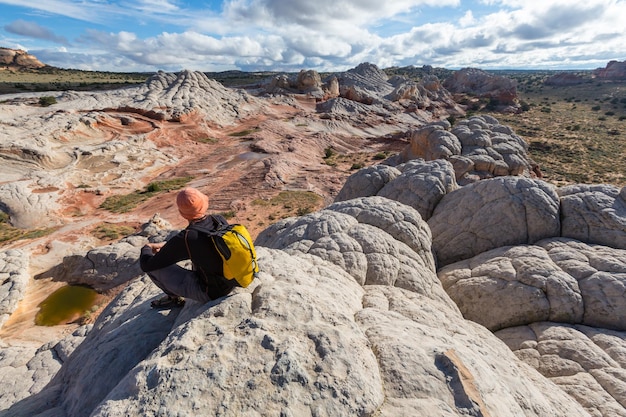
<point>326,35</point>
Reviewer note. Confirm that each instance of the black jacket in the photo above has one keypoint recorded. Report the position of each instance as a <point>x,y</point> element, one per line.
<point>205,258</point>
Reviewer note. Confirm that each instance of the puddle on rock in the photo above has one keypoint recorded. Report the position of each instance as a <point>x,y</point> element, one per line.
<point>65,305</point>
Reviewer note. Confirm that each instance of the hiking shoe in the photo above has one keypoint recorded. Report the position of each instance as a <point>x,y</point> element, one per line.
<point>167,301</point>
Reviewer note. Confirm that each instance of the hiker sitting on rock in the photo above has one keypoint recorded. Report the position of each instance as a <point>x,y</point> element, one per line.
<point>159,260</point>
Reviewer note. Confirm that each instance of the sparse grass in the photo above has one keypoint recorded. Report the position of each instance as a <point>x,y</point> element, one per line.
<point>290,203</point>
<point>57,79</point>
<point>127,202</point>
<point>243,133</point>
<point>112,231</point>
<point>574,144</point>
<point>228,214</point>
<point>207,140</point>
<point>9,233</point>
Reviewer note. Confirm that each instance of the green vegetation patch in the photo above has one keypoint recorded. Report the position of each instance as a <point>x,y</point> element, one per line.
<point>9,233</point>
<point>127,202</point>
<point>111,231</point>
<point>243,133</point>
<point>46,101</point>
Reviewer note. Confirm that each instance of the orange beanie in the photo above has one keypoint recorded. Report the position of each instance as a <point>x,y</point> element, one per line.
<point>192,204</point>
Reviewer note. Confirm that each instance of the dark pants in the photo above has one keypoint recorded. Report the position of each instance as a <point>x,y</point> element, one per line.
<point>175,280</point>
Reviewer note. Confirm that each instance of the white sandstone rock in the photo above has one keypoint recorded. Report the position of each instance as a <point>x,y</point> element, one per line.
<point>493,213</point>
<point>594,214</point>
<point>14,280</point>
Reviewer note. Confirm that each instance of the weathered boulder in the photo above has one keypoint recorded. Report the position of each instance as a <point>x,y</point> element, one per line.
<point>559,280</point>
<point>309,80</point>
<point>14,279</point>
<point>588,363</point>
<point>414,337</point>
<point>376,240</point>
<point>27,209</point>
<point>427,93</point>
<point>512,286</point>
<point>601,275</point>
<point>27,369</point>
<point>417,183</point>
<point>478,147</point>
<point>367,182</point>
<point>594,214</point>
<point>493,213</point>
<point>421,185</point>
<point>432,142</point>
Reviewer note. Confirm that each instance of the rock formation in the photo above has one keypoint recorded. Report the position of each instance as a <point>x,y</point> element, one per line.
<point>501,90</point>
<point>478,148</point>
<point>320,342</point>
<point>564,79</point>
<point>14,274</point>
<point>307,82</point>
<point>614,70</point>
<point>18,59</point>
<point>350,316</point>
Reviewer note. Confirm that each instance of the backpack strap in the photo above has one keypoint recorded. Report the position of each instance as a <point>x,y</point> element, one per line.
<point>187,245</point>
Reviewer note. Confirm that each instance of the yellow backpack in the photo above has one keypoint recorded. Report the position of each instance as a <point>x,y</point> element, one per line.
<point>235,246</point>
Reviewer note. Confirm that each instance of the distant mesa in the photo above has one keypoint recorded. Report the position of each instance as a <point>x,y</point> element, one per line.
<point>17,59</point>
<point>614,70</point>
<point>564,79</point>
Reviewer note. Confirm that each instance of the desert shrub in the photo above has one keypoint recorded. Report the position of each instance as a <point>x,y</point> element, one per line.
<point>228,214</point>
<point>602,118</point>
<point>357,166</point>
<point>46,101</point>
<point>596,108</point>
<point>492,104</point>
<point>328,152</point>
<point>609,113</point>
<point>244,132</point>
<point>524,106</point>
<point>153,187</point>
<point>303,211</point>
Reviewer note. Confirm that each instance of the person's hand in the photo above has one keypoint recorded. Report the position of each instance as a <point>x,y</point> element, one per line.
<point>155,246</point>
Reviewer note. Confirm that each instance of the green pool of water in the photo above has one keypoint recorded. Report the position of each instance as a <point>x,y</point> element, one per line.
<point>65,304</point>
